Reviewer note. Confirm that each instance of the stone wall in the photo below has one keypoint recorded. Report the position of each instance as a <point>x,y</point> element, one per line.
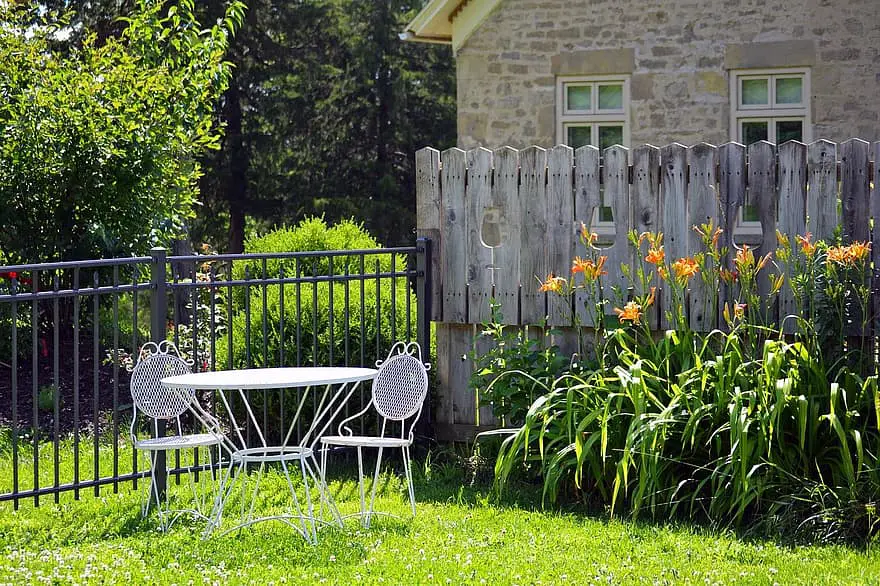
<point>678,54</point>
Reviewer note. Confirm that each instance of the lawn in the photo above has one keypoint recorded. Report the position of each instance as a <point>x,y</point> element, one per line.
<point>460,536</point>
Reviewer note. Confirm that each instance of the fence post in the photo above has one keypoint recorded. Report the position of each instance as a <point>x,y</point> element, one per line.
<point>158,315</point>
<point>423,319</point>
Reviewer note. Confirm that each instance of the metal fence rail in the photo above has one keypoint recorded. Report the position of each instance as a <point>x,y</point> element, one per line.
<point>70,332</point>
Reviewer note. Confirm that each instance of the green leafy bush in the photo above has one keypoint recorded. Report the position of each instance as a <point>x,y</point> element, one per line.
<point>316,322</point>
<point>309,325</point>
<point>101,144</point>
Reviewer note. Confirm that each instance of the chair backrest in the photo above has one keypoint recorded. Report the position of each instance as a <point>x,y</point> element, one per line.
<point>157,361</point>
<point>401,385</point>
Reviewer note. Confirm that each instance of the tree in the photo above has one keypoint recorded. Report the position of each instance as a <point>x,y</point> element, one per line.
<point>100,142</point>
<point>331,108</point>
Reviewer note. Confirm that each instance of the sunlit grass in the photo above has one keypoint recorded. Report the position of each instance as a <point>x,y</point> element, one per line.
<point>460,536</point>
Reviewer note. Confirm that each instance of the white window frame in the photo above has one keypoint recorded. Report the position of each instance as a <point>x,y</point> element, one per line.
<point>770,113</point>
<point>594,118</point>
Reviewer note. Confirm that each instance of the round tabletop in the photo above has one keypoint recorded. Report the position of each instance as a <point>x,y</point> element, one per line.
<point>270,378</point>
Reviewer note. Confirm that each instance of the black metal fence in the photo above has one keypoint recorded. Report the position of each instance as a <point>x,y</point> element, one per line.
<point>70,332</point>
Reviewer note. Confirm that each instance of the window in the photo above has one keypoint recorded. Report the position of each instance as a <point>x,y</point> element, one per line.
<point>771,105</point>
<point>594,111</point>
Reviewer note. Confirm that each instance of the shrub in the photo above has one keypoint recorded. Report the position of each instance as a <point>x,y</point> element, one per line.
<point>101,144</point>
<point>312,332</point>
<point>738,426</point>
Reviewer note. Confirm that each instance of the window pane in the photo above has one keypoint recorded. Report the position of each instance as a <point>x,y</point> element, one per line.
<point>750,213</point>
<point>606,214</point>
<point>610,136</point>
<point>754,92</point>
<point>753,132</point>
<point>789,130</point>
<point>579,136</point>
<point>579,97</point>
<point>789,90</point>
<point>611,97</point>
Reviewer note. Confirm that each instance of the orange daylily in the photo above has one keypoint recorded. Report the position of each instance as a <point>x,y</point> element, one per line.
<point>807,246</point>
<point>632,312</point>
<point>552,283</point>
<point>656,256</point>
<point>662,272</point>
<point>578,265</point>
<point>685,268</point>
<point>838,254</point>
<point>859,251</point>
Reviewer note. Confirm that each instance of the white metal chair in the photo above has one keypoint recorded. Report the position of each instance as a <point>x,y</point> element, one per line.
<point>399,391</point>
<point>158,403</point>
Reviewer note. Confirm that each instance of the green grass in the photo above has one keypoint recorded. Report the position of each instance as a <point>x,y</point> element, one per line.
<point>459,537</point>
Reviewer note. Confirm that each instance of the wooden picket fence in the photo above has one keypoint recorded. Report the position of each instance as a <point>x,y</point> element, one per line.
<point>501,220</point>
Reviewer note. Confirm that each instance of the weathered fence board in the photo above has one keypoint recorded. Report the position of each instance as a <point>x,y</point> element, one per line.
<point>428,212</point>
<point>673,198</point>
<point>792,214</point>
<point>586,204</point>
<point>503,220</point>
<point>762,194</point>
<point>702,204</point>
<point>646,201</point>
<point>615,177</point>
<point>478,198</point>
<point>506,204</point>
<point>822,179</point>
<point>560,225</point>
<point>454,227</point>
<point>854,189</point>
<point>731,192</point>
<point>533,264</point>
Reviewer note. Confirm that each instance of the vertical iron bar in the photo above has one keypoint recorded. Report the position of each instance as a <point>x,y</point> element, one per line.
<point>96,362</point>
<point>330,322</point>
<point>298,314</point>
<point>282,427</point>
<point>408,290</point>
<point>393,298</point>
<point>135,349</point>
<point>13,360</point>
<point>76,302</point>
<point>314,312</point>
<point>158,315</point>
<point>247,340</point>
<point>115,379</point>
<point>347,325</point>
<point>35,374</point>
<point>56,401</point>
<point>363,279</point>
<point>197,365</point>
<point>265,317</point>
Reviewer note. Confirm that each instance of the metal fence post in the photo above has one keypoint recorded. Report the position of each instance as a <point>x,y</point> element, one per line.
<point>423,319</point>
<point>158,315</point>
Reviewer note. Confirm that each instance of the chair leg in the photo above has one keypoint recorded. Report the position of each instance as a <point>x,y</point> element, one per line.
<point>373,491</point>
<point>361,479</point>
<point>407,469</point>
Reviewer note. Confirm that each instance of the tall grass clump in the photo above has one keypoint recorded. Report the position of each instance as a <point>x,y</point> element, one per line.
<point>768,421</point>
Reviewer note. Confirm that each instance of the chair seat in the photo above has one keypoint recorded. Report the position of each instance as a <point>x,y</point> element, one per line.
<point>173,442</point>
<point>365,440</point>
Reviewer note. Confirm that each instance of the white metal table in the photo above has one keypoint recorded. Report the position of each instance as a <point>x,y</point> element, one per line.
<point>339,383</point>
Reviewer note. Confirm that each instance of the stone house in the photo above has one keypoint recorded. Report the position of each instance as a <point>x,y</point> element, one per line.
<point>656,71</point>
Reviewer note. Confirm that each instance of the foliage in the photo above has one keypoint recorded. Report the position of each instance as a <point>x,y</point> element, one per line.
<point>308,322</point>
<point>527,364</point>
<point>325,110</point>
<point>727,425</point>
<point>101,142</point>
